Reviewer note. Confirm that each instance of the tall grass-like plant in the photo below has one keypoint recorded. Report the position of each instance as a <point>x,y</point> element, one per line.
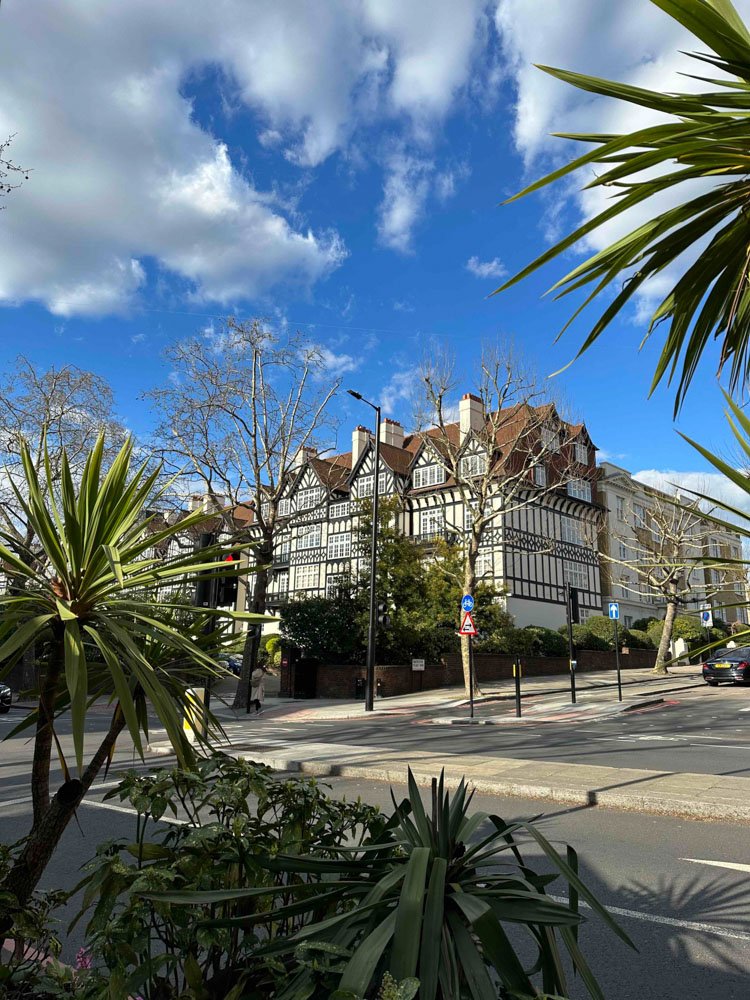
<point>105,625</point>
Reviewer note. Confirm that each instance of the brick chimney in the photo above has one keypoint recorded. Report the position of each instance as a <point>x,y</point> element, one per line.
<point>391,432</point>
<point>360,437</point>
<point>302,455</point>
<point>470,414</point>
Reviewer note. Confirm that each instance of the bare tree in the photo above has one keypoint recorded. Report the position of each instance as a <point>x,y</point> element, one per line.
<point>241,407</point>
<point>665,545</point>
<point>10,171</point>
<point>514,453</point>
<point>66,407</point>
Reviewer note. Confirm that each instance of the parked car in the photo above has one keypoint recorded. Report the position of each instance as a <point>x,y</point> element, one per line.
<point>731,665</point>
<point>5,698</point>
<point>233,663</point>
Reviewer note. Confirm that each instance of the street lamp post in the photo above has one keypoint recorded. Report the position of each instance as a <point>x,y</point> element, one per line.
<point>370,680</point>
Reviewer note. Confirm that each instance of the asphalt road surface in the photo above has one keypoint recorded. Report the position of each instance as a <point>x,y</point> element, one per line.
<point>680,888</point>
<point>705,731</point>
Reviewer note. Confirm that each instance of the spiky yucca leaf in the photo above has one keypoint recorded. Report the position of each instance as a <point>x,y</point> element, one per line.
<point>707,139</point>
<point>102,601</point>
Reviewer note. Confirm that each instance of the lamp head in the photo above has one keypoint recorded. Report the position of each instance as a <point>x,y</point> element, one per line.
<point>357,395</point>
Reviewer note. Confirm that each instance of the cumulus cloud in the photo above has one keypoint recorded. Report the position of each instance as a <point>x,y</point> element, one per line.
<point>337,364</point>
<point>486,268</point>
<point>711,484</point>
<point>399,389</point>
<point>127,179</point>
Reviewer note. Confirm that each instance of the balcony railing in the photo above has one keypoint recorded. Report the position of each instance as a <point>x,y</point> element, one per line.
<point>440,534</point>
<point>281,557</point>
<point>280,597</point>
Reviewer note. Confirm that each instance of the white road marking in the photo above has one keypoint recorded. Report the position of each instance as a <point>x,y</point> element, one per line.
<point>27,798</point>
<point>724,746</point>
<point>131,812</point>
<point>733,865</point>
<point>655,918</point>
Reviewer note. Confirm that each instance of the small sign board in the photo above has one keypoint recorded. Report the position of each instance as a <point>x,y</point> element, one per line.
<point>614,611</point>
<point>467,625</point>
<point>417,664</point>
<point>467,603</point>
<point>707,618</point>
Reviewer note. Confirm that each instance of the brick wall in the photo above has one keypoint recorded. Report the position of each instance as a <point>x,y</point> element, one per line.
<point>339,681</point>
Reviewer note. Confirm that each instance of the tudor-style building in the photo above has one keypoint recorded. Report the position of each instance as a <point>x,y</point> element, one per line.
<point>548,538</point>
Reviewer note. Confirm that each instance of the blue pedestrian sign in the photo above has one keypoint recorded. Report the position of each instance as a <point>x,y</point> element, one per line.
<point>467,603</point>
<point>614,611</point>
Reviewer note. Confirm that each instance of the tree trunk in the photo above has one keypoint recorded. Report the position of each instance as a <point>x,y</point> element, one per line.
<point>46,831</point>
<point>663,653</point>
<point>252,639</point>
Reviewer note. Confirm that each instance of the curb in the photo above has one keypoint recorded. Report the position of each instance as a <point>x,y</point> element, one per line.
<point>657,803</point>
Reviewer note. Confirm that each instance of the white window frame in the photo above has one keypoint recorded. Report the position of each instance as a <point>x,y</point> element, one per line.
<point>340,545</point>
<point>571,530</point>
<point>580,489</point>
<point>620,508</point>
<point>307,577</point>
<point>279,582</point>
<point>472,465</point>
<point>309,498</point>
<point>576,574</point>
<point>623,552</point>
<point>550,439</point>
<point>540,475</point>
<point>432,521</point>
<point>307,532</point>
<point>469,512</point>
<point>428,475</point>
<point>285,507</point>
<point>714,548</point>
<point>485,565</point>
<point>333,584</point>
<point>639,515</point>
<point>581,453</point>
<point>366,485</point>
<point>339,509</point>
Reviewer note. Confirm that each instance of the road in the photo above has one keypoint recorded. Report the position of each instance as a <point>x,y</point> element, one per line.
<point>680,888</point>
<point>706,731</point>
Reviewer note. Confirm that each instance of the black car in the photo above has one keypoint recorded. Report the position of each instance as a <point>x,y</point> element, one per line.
<point>729,665</point>
<point>5,699</point>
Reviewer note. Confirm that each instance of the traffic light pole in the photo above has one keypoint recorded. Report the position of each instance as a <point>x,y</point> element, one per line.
<point>617,662</point>
<point>571,647</point>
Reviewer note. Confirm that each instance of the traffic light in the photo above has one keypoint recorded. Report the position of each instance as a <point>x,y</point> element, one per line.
<point>384,619</point>
<point>226,590</point>
<point>575,615</point>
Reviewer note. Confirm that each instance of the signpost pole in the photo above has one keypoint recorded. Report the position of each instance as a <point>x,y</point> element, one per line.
<point>471,676</point>
<point>571,648</point>
<point>617,661</point>
<point>517,679</point>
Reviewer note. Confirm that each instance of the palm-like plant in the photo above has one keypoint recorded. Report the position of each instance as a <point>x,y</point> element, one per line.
<point>705,139</point>
<point>96,613</point>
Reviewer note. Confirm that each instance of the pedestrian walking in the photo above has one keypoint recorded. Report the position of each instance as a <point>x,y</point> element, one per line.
<point>258,690</point>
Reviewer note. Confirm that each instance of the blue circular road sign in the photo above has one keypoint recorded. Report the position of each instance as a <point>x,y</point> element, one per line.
<point>467,603</point>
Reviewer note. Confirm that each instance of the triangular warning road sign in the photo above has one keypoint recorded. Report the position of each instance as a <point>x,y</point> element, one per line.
<point>467,625</point>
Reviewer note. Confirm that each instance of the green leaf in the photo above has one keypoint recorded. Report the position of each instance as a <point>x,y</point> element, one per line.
<point>359,971</point>
<point>432,931</point>
<point>405,950</point>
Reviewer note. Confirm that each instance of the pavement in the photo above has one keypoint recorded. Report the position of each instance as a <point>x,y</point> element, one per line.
<point>541,697</point>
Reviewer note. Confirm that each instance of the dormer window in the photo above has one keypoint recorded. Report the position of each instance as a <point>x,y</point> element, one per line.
<point>581,453</point>
<point>540,475</point>
<point>550,439</point>
<point>472,465</point>
<point>429,475</point>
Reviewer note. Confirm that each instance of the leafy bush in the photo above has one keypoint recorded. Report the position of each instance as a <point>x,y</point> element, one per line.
<point>642,624</point>
<point>634,638</point>
<point>685,627</point>
<point>603,628</point>
<point>305,896</point>
<point>584,638</point>
<point>551,643</point>
<point>326,629</point>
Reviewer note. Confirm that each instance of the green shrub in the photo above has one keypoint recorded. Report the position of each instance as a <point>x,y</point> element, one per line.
<point>514,641</point>
<point>300,909</point>
<point>635,638</point>
<point>685,627</point>
<point>551,643</point>
<point>603,628</point>
<point>584,638</point>
<point>642,624</point>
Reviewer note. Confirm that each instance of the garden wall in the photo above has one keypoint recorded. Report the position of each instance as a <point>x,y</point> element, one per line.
<point>340,680</point>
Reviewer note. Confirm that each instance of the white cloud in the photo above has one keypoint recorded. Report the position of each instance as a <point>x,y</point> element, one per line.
<point>399,389</point>
<point>338,364</point>
<point>486,268</point>
<point>711,484</point>
<point>125,179</point>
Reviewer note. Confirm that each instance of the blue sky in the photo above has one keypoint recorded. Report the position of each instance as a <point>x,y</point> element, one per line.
<point>333,167</point>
